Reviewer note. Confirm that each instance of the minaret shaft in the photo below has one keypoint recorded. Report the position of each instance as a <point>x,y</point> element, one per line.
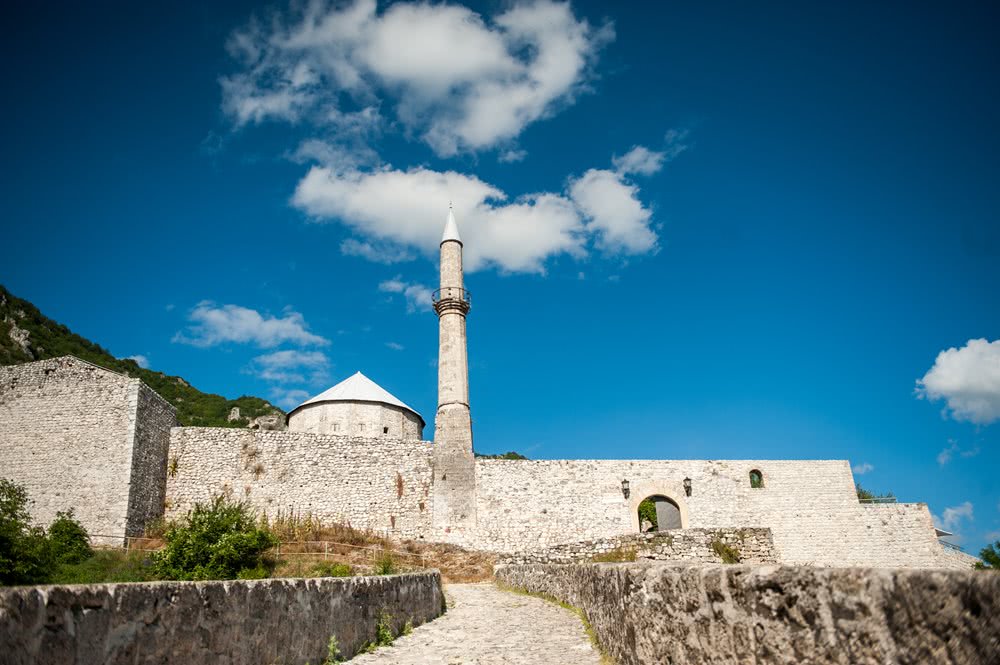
<point>454,461</point>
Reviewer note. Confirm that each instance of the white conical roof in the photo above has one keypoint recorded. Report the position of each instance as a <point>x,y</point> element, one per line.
<point>357,388</point>
<point>451,228</point>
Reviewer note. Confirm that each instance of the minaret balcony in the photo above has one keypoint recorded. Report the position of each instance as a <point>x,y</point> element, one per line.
<point>451,298</point>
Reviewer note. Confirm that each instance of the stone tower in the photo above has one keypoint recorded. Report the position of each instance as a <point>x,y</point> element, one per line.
<point>454,464</point>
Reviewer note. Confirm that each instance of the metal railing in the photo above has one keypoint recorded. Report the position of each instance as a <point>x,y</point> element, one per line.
<point>952,546</point>
<point>879,499</point>
<point>452,293</point>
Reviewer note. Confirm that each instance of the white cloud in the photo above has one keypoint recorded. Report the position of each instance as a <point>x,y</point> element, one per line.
<point>639,160</point>
<point>945,455</point>
<point>459,80</point>
<point>512,155</point>
<point>951,519</point>
<point>395,346</point>
<point>396,209</point>
<point>376,252</point>
<point>968,379</point>
<point>615,213</point>
<point>418,296</point>
<point>140,360</point>
<point>288,398</point>
<point>862,468</point>
<point>212,325</point>
<point>292,366</point>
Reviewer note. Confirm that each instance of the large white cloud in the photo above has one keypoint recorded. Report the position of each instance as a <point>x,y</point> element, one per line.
<point>457,79</point>
<point>212,324</point>
<point>968,379</point>
<point>394,208</point>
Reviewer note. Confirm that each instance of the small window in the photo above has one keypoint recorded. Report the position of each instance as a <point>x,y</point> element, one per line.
<point>385,430</point>
<point>756,479</point>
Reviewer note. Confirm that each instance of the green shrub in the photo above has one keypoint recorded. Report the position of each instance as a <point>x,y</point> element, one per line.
<point>111,566</point>
<point>218,541</point>
<point>68,539</point>
<point>647,511</point>
<point>25,552</point>
<point>385,564</point>
<point>727,553</point>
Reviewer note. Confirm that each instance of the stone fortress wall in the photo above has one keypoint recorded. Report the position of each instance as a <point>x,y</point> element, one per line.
<point>360,419</point>
<point>78,436</point>
<point>83,437</point>
<point>810,506</point>
<point>371,483</point>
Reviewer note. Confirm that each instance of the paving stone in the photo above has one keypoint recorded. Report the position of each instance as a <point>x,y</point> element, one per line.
<point>486,625</point>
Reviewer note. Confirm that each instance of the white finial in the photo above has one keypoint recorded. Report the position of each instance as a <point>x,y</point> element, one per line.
<point>451,228</point>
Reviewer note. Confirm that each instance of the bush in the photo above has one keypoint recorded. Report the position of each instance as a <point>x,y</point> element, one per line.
<point>385,564</point>
<point>218,541</point>
<point>727,553</point>
<point>111,566</point>
<point>25,553</point>
<point>647,511</point>
<point>68,539</point>
<point>617,555</point>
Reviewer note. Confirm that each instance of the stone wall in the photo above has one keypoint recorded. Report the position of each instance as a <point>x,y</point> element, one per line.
<point>691,545</point>
<point>261,622</point>
<point>68,430</point>
<point>738,615</point>
<point>150,439</point>
<point>810,506</point>
<point>378,483</point>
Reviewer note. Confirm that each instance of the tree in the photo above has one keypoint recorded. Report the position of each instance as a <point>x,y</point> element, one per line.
<point>218,541</point>
<point>25,553</point>
<point>990,556</point>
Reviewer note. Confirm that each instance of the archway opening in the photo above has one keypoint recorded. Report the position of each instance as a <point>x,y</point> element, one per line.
<point>658,513</point>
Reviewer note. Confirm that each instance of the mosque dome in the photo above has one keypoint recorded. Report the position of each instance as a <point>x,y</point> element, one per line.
<point>357,406</point>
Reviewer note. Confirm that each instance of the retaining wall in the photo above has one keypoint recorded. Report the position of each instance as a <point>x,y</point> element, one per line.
<point>288,621</point>
<point>690,545</point>
<point>729,615</point>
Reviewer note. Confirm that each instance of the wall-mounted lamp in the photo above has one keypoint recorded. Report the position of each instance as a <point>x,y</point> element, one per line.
<point>625,488</point>
<point>687,486</point>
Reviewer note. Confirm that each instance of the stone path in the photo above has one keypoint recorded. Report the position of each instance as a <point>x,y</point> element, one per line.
<point>486,625</point>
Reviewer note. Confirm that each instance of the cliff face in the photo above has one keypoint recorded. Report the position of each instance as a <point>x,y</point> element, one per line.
<point>27,335</point>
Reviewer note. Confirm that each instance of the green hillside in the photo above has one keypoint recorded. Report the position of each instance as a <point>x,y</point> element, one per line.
<point>45,338</point>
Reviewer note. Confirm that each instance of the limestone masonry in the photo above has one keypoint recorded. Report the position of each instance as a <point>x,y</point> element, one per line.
<point>260,622</point>
<point>80,436</point>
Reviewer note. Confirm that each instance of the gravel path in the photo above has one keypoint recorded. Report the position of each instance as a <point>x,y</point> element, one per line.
<point>486,625</point>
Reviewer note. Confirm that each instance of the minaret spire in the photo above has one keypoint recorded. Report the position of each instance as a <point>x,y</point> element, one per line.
<point>454,462</point>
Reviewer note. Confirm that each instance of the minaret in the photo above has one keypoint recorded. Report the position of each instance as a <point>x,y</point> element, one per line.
<point>454,463</point>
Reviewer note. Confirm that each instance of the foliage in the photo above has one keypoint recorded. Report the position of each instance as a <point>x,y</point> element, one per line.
<point>68,539</point>
<point>49,339</point>
<point>386,564</point>
<point>617,555</point>
<point>407,627</point>
<point>990,556</point>
<point>507,455</point>
<point>332,652</point>
<point>383,633</point>
<point>218,541</point>
<point>727,553</point>
<point>112,566</point>
<point>647,511</point>
<point>868,495</point>
<point>25,552</point>
<point>296,527</point>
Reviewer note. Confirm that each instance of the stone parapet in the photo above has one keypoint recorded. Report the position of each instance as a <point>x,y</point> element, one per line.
<point>781,615</point>
<point>208,623</point>
<point>691,545</point>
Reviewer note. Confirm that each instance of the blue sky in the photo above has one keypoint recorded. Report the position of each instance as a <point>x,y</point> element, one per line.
<point>712,231</point>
